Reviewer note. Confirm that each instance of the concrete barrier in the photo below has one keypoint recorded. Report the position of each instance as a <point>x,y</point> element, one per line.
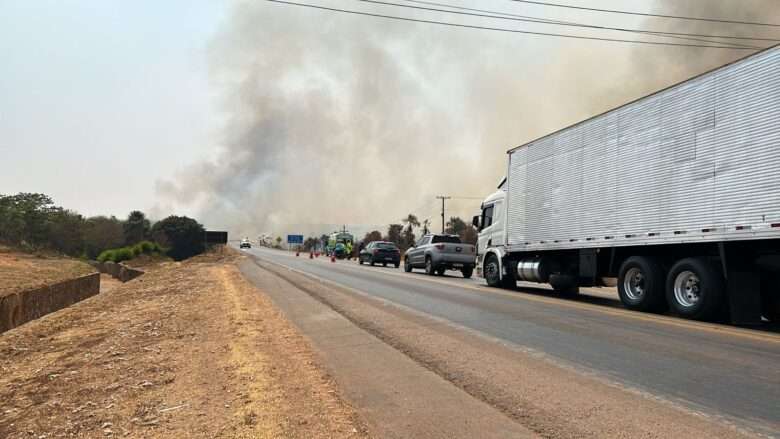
<point>119,271</point>
<point>24,306</point>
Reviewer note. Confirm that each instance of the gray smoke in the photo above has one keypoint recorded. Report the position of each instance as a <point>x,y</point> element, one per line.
<point>338,119</point>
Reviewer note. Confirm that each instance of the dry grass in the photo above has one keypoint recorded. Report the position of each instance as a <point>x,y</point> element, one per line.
<point>22,271</point>
<point>187,350</point>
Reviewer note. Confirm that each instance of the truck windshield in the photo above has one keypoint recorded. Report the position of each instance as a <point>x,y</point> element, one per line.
<point>447,239</point>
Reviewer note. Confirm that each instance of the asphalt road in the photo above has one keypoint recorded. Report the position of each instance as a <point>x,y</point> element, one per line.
<point>721,371</point>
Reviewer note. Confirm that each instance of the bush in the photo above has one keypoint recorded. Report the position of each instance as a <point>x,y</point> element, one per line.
<point>130,252</point>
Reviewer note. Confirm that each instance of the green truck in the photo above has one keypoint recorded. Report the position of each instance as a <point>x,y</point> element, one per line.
<point>340,244</point>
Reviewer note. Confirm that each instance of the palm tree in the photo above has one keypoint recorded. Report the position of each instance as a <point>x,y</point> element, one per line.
<point>408,233</point>
<point>411,221</point>
<point>426,226</point>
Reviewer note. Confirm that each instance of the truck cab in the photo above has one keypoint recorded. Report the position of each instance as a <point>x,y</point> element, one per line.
<point>490,223</point>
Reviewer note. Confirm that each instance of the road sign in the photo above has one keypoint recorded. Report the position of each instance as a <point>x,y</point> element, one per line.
<point>295,239</point>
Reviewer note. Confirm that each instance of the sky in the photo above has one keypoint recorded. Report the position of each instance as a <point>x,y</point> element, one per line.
<point>99,99</point>
<point>265,118</point>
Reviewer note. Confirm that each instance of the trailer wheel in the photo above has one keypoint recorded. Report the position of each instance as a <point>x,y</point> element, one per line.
<point>695,289</point>
<point>641,284</point>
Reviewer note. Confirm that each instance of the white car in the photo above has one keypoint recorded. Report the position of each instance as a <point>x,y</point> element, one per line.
<point>245,243</point>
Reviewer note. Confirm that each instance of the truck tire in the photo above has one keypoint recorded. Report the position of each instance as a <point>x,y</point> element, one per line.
<point>695,289</point>
<point>492,271</point>
<point>641,284</point>
<point>564,284</point>
<point>430,269</point>
<point>407,265</point>
<point>467,271</point>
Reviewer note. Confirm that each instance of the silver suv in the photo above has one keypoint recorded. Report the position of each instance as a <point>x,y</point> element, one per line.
<point>437,253</point>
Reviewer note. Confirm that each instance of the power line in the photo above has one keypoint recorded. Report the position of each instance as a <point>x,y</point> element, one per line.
<point>645,14</point>
<point>542,20</point>
<point>513,17</point>
<point>498,29</point>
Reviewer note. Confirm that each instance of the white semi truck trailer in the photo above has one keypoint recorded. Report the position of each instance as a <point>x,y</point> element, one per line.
<point>677,195</point>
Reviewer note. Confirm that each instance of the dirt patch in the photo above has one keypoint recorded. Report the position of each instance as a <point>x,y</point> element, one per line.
<point>187,350</point>
<point>24,271</point>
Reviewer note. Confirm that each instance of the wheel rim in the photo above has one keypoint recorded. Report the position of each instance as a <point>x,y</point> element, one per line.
<point>634,284</point>
<point>687,288</point>
<point>428,266</point>
<point>491,270</point>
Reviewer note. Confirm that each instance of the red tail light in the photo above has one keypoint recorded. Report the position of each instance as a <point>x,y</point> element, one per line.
<point>440,246</point>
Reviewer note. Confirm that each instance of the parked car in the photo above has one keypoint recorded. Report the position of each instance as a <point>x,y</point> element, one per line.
<point>380,252</point>
<point>245,243</point>
<point>438,253</point>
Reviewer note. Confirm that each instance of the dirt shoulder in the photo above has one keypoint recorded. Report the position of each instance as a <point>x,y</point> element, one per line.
<point>22,271</point>
<point>187,350</point>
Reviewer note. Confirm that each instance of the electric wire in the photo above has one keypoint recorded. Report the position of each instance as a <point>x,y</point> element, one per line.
<point>576,24</point>
<point>647,14</point>
<point>513,17</point>
<point>498,29</point>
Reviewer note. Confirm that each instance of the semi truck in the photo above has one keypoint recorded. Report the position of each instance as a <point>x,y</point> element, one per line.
<point>674,197</point>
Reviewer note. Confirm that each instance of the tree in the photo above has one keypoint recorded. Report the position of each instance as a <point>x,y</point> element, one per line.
<point>136,228</point>
<point>102,233</point>
<point>311,244</point>
<point>24,218</point>
<point>66,232</point>
<point>394,234</point>
<point>183,235</point>
<point>426,226</point>
<point>278,242</point>
<point>456,226</point>
<point>372,236</point>
<point>411,222</point>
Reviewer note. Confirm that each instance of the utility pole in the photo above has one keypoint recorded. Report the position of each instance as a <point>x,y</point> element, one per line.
<point>442,198</point>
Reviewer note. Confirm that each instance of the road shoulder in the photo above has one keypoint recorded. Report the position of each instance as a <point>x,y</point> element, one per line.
<point>397,397</point>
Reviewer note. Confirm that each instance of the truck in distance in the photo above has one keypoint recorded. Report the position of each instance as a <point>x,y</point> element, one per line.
<point>438,253</point>
<point>677,195</point>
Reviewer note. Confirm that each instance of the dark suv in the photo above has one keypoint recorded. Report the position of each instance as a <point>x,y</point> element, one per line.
<point>380,252</point>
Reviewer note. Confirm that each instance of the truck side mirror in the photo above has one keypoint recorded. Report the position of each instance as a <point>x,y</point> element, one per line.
<point>475,221</point>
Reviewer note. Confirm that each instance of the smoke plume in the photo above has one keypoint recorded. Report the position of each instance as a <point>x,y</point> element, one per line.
<point>339,119</point>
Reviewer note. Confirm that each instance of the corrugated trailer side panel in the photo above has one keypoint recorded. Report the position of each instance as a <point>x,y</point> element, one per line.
<point>697,161</point>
